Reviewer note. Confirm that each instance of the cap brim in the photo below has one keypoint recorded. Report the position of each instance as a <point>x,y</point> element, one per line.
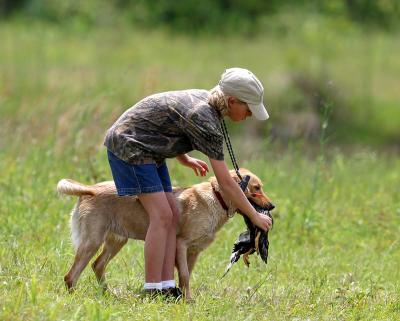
<point>259,111</point>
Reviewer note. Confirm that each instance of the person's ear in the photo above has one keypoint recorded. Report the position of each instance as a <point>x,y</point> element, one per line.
<point>231,100</point>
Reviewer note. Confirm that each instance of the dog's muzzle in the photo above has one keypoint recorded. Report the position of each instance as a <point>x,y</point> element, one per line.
<point>269,207</point>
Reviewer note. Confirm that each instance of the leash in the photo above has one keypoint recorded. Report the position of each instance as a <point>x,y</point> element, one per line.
<point>229,147</point>
<point>243,181</point>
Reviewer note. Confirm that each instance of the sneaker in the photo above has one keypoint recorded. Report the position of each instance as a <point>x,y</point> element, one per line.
<point>150,293</point>
<point>173,293</point>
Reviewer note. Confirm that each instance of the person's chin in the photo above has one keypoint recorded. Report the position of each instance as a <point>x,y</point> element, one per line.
<point>236,119</point>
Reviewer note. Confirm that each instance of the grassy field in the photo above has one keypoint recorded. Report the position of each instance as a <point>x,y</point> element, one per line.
<point>335,246</point>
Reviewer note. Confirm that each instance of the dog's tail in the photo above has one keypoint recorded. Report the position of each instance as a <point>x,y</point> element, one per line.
<point>70,187</point>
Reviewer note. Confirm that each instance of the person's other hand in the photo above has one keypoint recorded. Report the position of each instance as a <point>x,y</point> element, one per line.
<point>198,166</point>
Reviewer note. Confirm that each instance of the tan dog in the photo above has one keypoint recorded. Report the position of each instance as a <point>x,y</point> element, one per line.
<point>102,217</point>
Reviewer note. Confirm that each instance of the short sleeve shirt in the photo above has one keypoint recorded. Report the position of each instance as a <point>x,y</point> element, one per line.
<point>166,125</point>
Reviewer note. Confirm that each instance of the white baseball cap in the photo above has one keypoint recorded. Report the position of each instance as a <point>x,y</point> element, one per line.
<point>244,85</point>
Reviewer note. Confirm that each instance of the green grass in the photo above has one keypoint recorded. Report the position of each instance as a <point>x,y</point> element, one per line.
<point>333,255</point>
<point>335,246</point>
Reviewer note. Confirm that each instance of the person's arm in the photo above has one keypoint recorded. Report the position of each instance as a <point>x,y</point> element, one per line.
<point>197,165</point>
<point>232,191</point>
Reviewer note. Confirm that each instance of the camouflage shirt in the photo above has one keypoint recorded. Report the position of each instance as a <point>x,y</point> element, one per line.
<point>166,125</point>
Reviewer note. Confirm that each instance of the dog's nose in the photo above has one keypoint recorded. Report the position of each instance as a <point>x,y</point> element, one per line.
<point>270,206</point>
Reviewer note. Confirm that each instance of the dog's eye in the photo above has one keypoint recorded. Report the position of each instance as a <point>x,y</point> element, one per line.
<point>257,188</point>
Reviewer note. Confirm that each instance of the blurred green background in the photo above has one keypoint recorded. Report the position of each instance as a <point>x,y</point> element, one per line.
<point>93,59</point>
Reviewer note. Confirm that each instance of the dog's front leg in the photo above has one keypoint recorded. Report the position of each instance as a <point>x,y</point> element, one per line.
<point>183,271</point>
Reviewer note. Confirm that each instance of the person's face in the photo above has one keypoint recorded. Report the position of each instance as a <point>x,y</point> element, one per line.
<point>237,110</point>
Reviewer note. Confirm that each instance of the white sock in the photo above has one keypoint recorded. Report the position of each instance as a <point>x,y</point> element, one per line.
<point>153,286</point>
<point>168,284</point>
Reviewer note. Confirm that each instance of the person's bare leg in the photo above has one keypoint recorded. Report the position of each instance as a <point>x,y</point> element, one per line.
<point>170,245</point>
<point>160,216</point>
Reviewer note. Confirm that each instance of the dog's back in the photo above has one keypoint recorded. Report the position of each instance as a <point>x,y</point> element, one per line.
<point>100,211</point>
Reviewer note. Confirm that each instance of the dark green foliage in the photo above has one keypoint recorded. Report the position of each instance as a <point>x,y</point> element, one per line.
<point>207,14</point>
<point>7,7</point>
<point>378,12</point>
<point>221,16</point>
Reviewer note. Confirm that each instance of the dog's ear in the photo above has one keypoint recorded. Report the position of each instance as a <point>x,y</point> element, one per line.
<point>234,176</point>
<point>214,182</point>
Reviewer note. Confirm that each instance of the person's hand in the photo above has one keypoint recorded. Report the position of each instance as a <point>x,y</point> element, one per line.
<point>262,221</point>
<point>198,166</point>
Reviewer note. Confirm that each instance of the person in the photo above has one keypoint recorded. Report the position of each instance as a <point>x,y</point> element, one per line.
<point>169,125</point>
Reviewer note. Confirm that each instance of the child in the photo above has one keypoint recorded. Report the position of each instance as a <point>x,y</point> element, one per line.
<point>169,125</point>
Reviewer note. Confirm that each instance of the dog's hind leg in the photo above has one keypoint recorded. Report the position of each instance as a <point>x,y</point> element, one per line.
<point>85,252</point>
<point>191,260</point>
<point>112,245</point>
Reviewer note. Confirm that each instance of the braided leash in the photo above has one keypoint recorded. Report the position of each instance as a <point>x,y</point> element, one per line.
<point>230,149</point>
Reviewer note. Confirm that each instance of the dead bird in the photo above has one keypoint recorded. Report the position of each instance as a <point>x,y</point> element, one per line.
<point>252,240</point>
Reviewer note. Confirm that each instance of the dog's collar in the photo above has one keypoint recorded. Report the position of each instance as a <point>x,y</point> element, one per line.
<point>220,199</point>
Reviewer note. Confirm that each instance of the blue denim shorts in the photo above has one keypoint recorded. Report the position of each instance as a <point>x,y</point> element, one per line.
<point>138,179</point>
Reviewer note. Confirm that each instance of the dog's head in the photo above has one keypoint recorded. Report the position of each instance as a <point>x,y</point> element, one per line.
<point>254,190</point>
